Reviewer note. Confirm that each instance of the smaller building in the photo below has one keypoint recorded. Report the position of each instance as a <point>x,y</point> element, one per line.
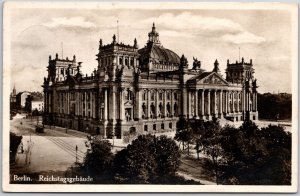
<point>13,96</point>
<point>21,99</point>
<point>35,102</point>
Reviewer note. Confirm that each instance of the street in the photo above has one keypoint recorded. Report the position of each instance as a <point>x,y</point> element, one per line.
<point>53,150</point>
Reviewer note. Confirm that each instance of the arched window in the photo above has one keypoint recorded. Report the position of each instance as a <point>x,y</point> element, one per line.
<point>144,111</point>
<point>168,110</point>
<point>160,109</point>
<point>120,61</point>
<point>175,96</point>
<point>152,111</point>
<point>128,95</point>
<point>144,97</point>
<point>160,96</point>
<point>132,61</point>
<point>152,96</point>
<point>168,95</point>
<point>175,109</point>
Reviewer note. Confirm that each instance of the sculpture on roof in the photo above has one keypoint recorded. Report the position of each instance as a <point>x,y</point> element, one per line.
<point>196,63</point>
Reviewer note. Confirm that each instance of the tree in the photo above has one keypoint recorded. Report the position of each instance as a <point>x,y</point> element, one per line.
<point>256,156</point>
<point>184,133</point>
<point>98,159</point>
<point>275,106</point>
<point>167,156</point>
<point>278,162</point>
<point>148,159</point>
<point>14,142</point>
<point>136,163</point>
<point>209,141</point>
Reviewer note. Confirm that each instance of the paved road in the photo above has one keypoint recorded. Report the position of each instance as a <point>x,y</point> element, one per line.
<point>53,150</point>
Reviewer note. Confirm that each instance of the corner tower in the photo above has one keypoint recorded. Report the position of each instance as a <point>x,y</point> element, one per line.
<point>239,72</point>
<point>58,68</point>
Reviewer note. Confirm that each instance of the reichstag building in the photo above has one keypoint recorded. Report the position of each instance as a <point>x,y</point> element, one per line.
<point>145,90</point>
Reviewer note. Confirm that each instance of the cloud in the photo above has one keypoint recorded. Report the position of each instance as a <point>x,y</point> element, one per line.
<point>78,22</point>
<point>243,38</point>
<point>191,25</point>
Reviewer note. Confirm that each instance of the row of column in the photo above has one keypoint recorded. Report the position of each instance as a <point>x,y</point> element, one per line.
<point>116,104</point>
<point>219,102</point>
<point>156,103</point>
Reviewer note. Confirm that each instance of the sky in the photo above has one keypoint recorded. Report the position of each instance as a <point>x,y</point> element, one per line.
<point>261,35</point>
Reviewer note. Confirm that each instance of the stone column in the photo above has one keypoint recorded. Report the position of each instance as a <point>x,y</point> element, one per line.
<point>215,103</point>
<point>165,102</point>
<point>112,108</point>
<point>196,104</point>
<point>243,101</point>
<point>184,102</point>
<point>123,58</point>
<point>227,102</point>
<point>156,104</point>
<point>105,105</point>
<point>221,104</point>
<point>172,103</point>
<point>122,108</point>
<point>202,103</point>
<point>247,101</point>
<point>105,115</point>
<point>148,104</point>
<point>189,114</point>
<point>139,103</point>
<point>238,101</point>
<point>208,102</point>
<point>233,102</point>
<point>255,102</point>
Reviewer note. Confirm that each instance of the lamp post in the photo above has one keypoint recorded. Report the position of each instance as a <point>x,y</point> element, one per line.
<point>76,148</point>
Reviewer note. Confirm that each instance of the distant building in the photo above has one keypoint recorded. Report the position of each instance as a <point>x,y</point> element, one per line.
<point>13,96</point>
<point>35,101</point>
<point>21,98</point>
<point>145,89</point>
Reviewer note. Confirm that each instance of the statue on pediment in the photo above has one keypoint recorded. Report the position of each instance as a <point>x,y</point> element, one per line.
<point>196,63</point>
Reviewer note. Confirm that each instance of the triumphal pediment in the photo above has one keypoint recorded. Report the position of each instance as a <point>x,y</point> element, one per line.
<point>209,78</point>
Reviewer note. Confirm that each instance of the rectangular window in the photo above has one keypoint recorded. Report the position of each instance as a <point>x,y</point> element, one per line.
<point>170,125</point>
<point>145,127</point>
<point>162,126</point>
<point>89,106</point>
<point>168,96</point>
<point>144,96</point>
<point>154,127</point>
<point>175,96</point>
<point>160,96</point>
<point>132,61</point>
<point>62,71</point>
<point>152,96</point>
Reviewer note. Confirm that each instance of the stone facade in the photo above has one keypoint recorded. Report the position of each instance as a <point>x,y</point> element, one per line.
<point>144,90</point>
